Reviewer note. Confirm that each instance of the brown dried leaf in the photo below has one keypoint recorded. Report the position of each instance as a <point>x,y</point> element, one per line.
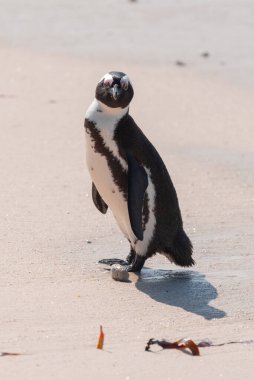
<point>184,344</point>
<point>181,344</point>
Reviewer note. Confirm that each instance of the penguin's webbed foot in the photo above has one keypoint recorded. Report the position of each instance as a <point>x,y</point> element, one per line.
<point>111,262</point>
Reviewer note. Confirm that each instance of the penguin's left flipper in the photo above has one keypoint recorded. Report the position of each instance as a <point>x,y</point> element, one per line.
<point>137,184</point>
<point>98,201</point>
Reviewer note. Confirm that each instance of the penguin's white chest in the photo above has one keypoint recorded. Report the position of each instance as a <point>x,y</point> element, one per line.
<point>100,170</point>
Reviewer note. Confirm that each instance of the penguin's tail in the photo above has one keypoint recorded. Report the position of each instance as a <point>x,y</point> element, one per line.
<point>180,251</point>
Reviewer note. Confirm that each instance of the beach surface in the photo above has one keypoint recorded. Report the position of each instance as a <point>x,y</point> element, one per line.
<point>192,68</point>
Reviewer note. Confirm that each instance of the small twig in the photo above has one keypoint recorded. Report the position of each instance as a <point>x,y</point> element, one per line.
<point>10,354</point>
<point>181,344</point>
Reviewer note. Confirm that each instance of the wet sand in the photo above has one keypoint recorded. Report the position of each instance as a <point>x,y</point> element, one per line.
<point>54,296</point>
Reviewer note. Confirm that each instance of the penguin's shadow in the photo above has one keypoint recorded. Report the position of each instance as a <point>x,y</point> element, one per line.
<point>188,290</point>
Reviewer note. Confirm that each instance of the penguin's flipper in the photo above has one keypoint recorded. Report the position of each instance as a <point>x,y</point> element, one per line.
<point>137,184</point>
<point>98,201</point>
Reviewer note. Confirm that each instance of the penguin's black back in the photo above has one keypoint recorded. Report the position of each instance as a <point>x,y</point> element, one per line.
<point>131,140</point>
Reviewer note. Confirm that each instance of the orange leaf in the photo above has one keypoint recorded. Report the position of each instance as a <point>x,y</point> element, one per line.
<point>101,339</point>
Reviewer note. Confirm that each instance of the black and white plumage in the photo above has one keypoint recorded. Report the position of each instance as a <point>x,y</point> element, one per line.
<point>129,176</point>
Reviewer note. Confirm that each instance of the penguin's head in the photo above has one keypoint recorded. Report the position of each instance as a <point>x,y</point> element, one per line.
<point>114,90</point>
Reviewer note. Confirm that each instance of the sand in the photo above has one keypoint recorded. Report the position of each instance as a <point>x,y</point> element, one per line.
<point>54,296</point>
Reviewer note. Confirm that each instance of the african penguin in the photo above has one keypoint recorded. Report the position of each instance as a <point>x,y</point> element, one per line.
<point>129,176</point>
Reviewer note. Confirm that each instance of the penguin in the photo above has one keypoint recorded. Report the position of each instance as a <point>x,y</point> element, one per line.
<point>130,178</point>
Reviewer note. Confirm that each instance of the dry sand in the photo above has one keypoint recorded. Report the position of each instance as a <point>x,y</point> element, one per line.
<point>53,295</point>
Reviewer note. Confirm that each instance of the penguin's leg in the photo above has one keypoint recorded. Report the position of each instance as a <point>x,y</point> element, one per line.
<point>136,264</point>
<point>130,256</point>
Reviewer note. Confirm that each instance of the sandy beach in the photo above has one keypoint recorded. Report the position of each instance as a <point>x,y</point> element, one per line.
<point>199,115</point>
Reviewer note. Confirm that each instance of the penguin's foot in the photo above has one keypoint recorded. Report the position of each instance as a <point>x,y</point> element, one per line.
<point>134,262</point>
<point>111,262</point>
<point>137,264</point>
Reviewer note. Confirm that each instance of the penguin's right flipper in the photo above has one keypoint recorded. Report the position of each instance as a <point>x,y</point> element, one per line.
<point>98,201</point>
<point>137,184</point>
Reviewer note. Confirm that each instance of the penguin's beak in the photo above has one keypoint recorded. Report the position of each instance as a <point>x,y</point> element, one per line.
<point>116,91</point>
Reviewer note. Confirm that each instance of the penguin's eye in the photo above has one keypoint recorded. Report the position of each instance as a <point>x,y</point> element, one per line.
<point>107,83</point>
<point>124,83</point>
